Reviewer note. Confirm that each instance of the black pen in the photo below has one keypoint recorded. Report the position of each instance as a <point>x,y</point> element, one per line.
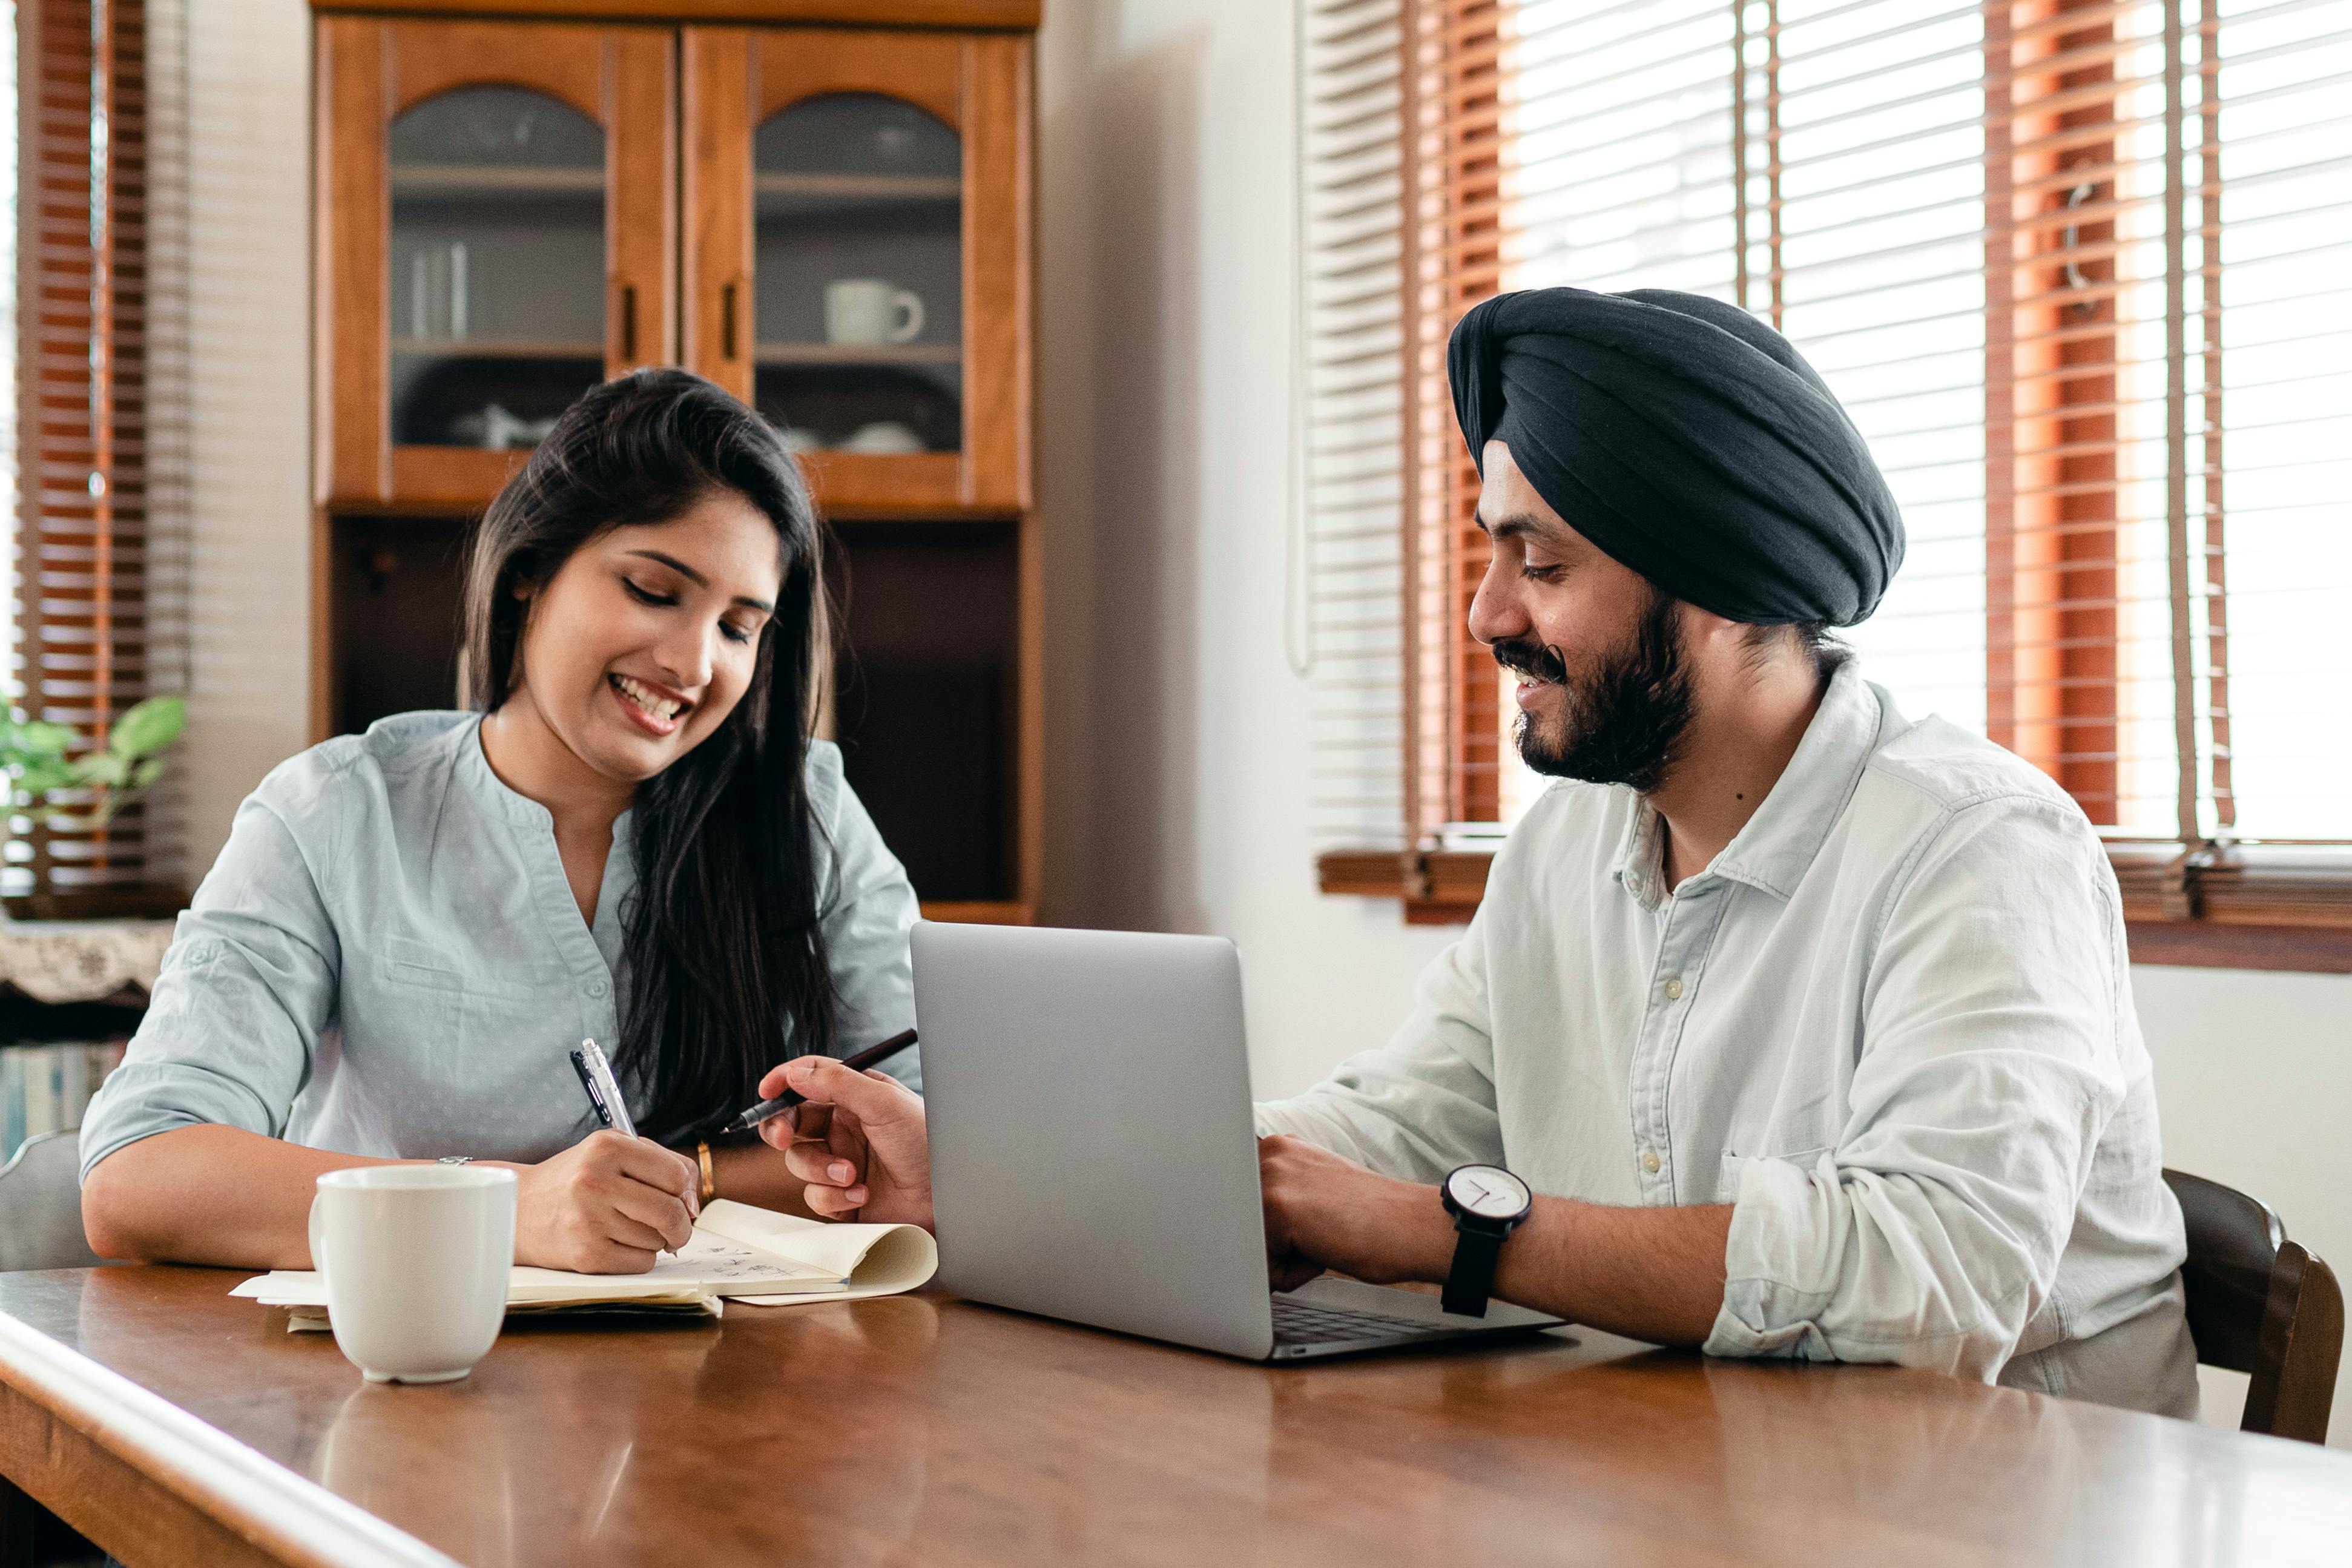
<point>871,1057</point>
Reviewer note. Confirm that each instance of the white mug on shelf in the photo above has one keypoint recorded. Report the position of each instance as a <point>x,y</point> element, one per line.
<point>883,437</point>
<point>416,1260</point>
<point>859,312</point>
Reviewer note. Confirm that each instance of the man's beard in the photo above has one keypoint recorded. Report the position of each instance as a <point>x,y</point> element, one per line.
<point>1626,715</point>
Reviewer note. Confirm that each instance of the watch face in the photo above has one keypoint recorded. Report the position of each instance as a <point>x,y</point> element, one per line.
<point>1488,1191</point>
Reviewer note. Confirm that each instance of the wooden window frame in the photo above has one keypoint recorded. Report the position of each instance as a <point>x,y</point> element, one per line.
<point>2051,515</point>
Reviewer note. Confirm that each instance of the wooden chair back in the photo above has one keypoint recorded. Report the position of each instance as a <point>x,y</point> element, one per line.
<point>2261,1304</point>
<point>40,1206</point>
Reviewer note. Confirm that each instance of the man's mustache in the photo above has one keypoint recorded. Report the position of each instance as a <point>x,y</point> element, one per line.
<point>1525,656</point>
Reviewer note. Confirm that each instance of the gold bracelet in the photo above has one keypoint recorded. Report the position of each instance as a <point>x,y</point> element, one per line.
<point>709,1182</point>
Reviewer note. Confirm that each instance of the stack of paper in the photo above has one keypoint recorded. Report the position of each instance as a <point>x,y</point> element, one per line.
<point>738,1253</point>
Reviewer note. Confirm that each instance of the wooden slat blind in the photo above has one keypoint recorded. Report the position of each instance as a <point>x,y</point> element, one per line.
<point>1400,171</point>
<point>79,591</point>
<point>1456,208</point>
<point>2015,236</point>
<point>1578,143</point>
<point>2086,499</point>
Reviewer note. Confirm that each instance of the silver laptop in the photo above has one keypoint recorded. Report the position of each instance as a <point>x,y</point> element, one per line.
<point>1093,1156</point>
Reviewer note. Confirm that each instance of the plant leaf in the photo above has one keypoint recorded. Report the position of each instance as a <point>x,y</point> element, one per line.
<point>146,773</point>
<point>110,768</point>
<point>43,739</point>
<point>149,727</point>
<point>42,775</point>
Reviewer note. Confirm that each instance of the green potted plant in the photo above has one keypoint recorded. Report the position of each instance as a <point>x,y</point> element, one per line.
<point>40,761</point>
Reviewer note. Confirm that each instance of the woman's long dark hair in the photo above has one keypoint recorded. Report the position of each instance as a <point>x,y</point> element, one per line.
<point>726,970</point>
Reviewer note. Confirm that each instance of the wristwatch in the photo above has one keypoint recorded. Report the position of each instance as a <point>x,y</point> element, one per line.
<point>1487,1204</point>
<point>455,1160</point>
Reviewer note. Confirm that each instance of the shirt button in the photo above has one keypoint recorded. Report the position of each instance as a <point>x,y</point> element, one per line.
<point>595,988</point>
<point>1650,1162</point>
<point>1673,990</point>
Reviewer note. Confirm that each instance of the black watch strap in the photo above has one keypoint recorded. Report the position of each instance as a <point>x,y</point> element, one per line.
<point>1473,1276</point>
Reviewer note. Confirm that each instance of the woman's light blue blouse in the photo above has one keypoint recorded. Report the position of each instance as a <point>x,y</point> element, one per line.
<point>386,960</point>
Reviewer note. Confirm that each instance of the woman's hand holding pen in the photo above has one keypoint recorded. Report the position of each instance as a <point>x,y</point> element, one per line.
<point>608,1205</point>
<point>860,1143</point>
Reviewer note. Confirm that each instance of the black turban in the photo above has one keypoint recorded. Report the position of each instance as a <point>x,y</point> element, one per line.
<point>1686,440</point>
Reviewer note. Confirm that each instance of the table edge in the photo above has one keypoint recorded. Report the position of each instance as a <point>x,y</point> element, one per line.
<point>295,1518</point>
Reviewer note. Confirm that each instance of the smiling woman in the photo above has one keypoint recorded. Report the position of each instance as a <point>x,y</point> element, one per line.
<point>632,838</point>
<point>618,602</point>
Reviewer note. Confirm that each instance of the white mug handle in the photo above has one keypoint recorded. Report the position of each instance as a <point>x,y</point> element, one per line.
<point>319,1237</point>
<point>909,302</point>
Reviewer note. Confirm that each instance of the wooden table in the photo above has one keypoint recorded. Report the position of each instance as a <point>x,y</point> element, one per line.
<point>174,1425</point>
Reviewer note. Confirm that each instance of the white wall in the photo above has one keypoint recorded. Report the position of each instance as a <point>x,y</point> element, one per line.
<point>1178,790</point>
<point>1177,785</point>
<point>249,327</point>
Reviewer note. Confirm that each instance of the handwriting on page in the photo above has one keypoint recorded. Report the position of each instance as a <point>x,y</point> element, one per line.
<point>722,1263</point>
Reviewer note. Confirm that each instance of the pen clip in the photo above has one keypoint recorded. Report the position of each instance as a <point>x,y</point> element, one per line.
<point>588,1082</point>
<point>604,1088</point>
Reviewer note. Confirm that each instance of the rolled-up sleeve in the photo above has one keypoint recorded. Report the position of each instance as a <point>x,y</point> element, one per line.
<point>870,911</point>
<point>1425,1102</point>
<point>246,989</point>
<point>1930,1234</point>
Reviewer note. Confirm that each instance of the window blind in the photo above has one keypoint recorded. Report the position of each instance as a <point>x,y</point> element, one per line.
<point>2075,268</point>
<point>2269,407</point>
<point>1400,222</point>
<point>2016,239</point>
<point>83,638</point>
<point>1348,551</point>
<point>1618,174</point>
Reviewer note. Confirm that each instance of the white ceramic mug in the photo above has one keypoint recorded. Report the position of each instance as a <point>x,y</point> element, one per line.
<point>859,311</point>
<point>416,1260</point>
<point>886,436</point>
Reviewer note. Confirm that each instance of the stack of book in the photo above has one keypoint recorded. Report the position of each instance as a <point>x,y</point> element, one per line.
<point>45,1088</point>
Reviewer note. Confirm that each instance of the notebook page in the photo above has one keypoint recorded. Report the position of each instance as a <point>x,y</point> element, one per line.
<point>875,1259</point>
<point>707,1265</point>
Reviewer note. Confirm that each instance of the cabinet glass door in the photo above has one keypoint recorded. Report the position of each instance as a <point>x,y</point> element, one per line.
<point>857,269</point>
<point>498,233</point>
<point>497,266</point>
<point>857,220</point>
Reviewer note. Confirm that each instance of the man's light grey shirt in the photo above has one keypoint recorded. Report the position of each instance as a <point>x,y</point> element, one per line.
<point>1891,1024</point>
<point>387,960</point>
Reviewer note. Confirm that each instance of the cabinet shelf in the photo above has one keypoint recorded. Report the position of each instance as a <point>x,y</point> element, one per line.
<point>471,180</point>
<point>497,348</point>
<point>874,187</point>
<point>859,354</point>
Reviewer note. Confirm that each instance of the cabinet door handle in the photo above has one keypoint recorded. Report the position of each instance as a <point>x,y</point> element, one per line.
<point>727,322</point>
<point>629,322</point>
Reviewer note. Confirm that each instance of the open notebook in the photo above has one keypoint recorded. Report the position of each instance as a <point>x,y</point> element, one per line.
<point>737,1252</point>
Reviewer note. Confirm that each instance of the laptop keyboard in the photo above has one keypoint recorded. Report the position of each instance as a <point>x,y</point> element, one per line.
<point>1297,1323</point>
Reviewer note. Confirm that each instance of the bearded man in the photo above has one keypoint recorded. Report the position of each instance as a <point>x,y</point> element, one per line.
<point>1811,1025</point>
<point>1788,1027</point>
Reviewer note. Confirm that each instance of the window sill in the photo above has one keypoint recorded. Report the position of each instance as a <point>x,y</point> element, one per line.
<point>2281,907</point>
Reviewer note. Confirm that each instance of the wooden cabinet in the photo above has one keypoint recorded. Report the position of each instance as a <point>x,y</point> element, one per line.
<point>829,216</point>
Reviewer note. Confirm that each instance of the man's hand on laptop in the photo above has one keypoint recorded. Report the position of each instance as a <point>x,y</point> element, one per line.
<point>860,1143</point>
<point>1324,1211</point>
